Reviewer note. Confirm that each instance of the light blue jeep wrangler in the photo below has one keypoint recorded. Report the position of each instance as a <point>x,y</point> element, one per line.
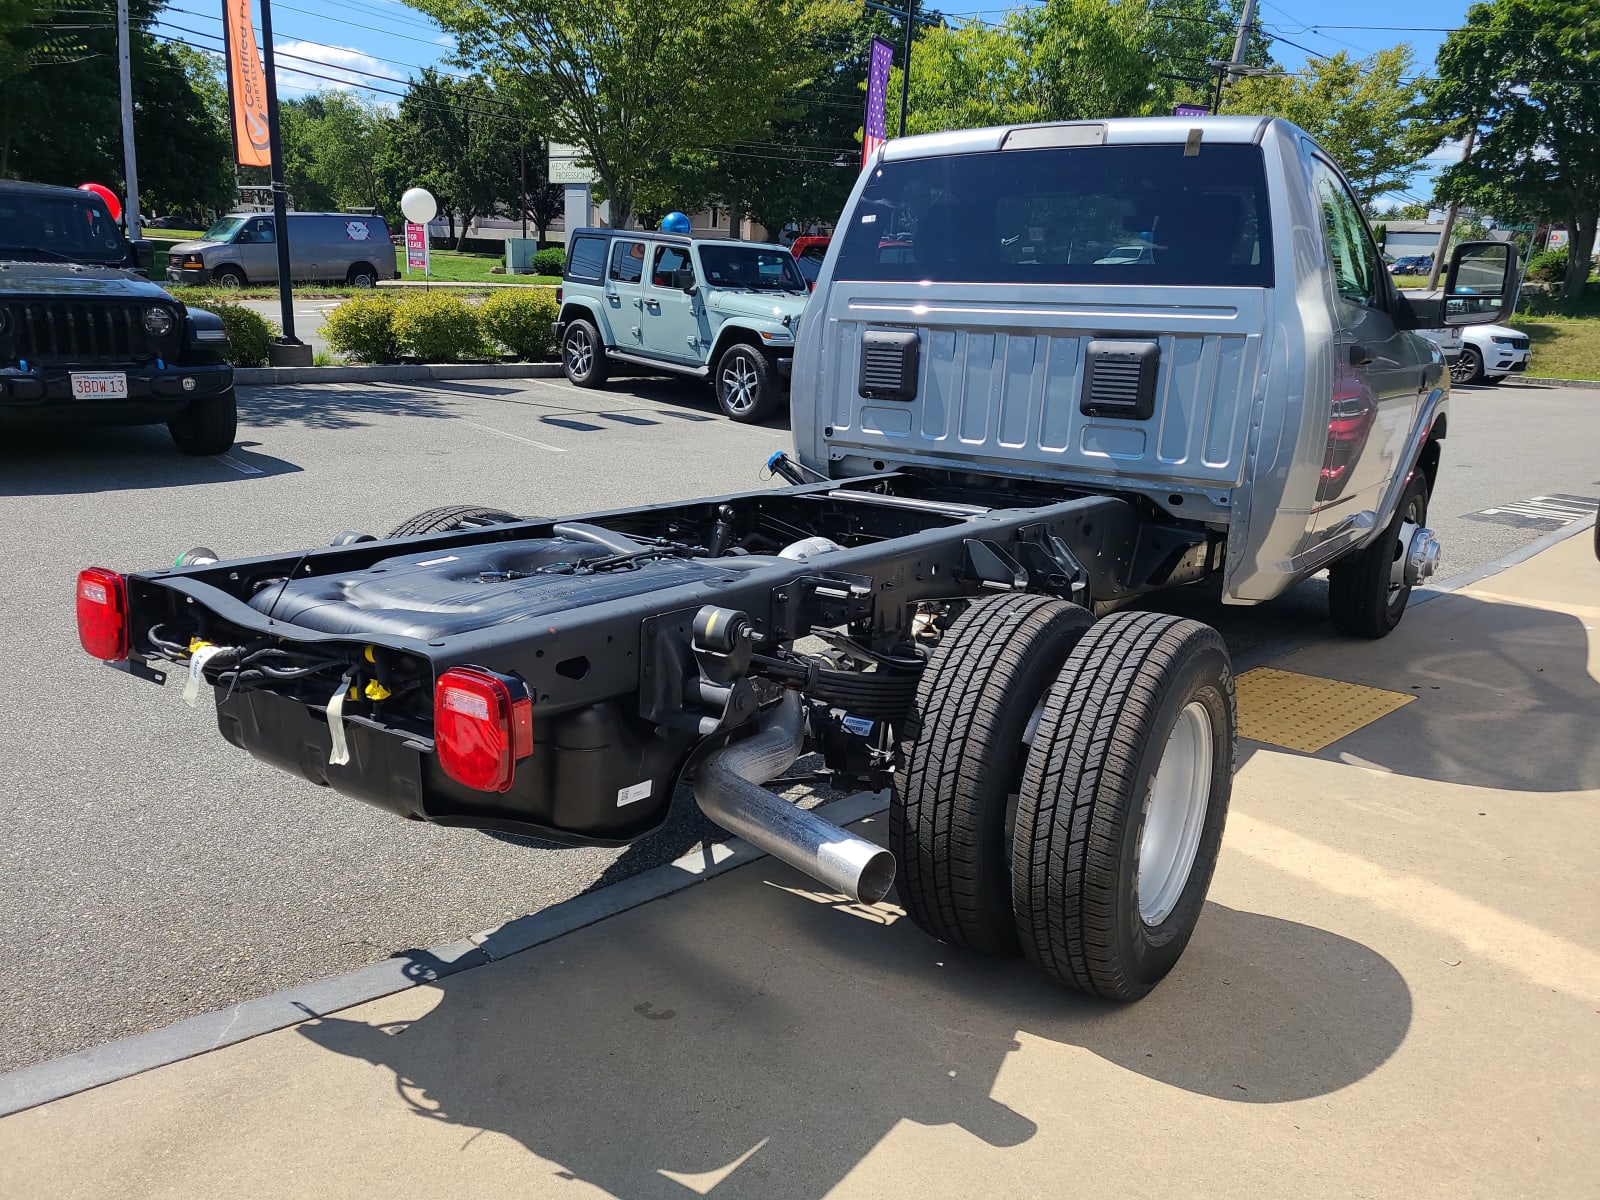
<point>720,310</point>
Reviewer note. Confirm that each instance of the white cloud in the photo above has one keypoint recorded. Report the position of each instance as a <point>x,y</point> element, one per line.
<point>445,39</point>
<point>339,67</point>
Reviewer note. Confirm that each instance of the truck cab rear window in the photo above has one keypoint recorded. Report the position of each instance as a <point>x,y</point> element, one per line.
<point>1085,214</point>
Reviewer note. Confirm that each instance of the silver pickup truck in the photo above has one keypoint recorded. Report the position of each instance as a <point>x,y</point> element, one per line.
<point>1256,372</point>
<point>1046,371</point>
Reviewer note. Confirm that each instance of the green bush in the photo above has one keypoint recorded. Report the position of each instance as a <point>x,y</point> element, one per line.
<point>1549,266</point>
<point>520,321</point>
<point>552,261</point>
<point>363,329</point>
<point>437,327</point>
<point>249,333</point>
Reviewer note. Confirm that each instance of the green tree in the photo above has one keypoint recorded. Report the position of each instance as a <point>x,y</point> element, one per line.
<point>1521,73</point>
<point>632,82</point>
<point>1367,113</point>
<point>60,116</point>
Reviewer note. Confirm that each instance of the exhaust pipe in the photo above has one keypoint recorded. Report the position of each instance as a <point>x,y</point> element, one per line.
<point>728,788</point>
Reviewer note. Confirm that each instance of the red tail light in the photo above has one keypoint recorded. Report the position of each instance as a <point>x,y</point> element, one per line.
<point>558,293</point>
<point>482,724</point>
<point>103,614</point>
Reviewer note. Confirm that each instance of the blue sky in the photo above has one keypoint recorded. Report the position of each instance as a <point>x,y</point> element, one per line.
<point>373,46</point>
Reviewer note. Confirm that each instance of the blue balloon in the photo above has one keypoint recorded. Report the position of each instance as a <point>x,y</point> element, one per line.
<point>674,222</point>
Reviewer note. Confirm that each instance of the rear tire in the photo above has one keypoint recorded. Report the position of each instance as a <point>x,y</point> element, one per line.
<point>451,517</point>
<point>583,355</point>
<point>362,275</point>
<point>964,751</point>
<point>208,425</point>
<point>746,384</point>
<point>1363,598</point>
<point>1123,803</point>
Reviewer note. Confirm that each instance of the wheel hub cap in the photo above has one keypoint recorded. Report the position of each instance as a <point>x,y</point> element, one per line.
<point>739,385</point>
<point>1422,557</point>
<point>579,354</point>
<point>1175,815</point>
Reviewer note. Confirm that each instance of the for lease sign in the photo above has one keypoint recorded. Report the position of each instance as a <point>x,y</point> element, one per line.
<point>416,247</point>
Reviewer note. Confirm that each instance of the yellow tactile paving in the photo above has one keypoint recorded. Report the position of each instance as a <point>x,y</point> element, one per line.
<point>1307,712</point>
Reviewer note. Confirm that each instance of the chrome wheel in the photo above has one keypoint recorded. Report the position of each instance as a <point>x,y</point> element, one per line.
<point>740,384</point>
<point>1174,815</point>
<point>580,354</point>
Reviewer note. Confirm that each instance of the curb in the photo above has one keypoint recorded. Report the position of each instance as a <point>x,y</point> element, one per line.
<point>439,283</point>
<point>396,373</point>
<point>1548,382</point>
<point>74,1073</point>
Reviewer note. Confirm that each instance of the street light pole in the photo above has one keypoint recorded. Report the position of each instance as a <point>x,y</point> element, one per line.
<point>280,201</point>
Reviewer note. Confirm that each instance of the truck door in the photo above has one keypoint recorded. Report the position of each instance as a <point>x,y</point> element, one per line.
<point>625,294</point>
<point>672,317</point>
<point>1379,370</point>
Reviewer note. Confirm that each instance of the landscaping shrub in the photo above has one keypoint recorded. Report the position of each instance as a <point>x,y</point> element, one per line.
<point>437,327</point>
<point>1548,266</point>
<point>363,329</point>
<point>551,261</point>
<point>520,321</point>
<point>249,333</point>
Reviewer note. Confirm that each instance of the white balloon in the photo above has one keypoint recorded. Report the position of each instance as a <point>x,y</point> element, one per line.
<point>419,205</point>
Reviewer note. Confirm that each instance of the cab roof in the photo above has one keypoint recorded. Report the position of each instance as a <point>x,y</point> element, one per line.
<point>1116,131</point>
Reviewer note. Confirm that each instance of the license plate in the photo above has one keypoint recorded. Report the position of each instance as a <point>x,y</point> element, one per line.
<point>100,385</point>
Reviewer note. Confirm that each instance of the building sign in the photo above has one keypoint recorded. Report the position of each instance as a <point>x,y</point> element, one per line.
<point>247,86</point>
<point>1190,110</point>
<point>564,166</point>
<point>416,247</point>
<point>874,132</point>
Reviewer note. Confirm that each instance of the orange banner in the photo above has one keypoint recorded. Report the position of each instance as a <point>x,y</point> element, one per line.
<point>247,86</point>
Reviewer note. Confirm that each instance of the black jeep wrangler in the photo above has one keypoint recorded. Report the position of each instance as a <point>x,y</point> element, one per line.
<point>85,339</point>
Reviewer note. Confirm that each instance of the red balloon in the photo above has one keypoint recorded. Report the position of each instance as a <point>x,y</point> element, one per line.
<point>106,194</point>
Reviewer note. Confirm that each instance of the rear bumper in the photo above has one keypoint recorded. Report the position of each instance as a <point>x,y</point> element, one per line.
<point>43,396</point>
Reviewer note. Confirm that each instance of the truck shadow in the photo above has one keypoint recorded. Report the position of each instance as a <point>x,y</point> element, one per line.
<point>766,1054</point>
<point>77,462</point>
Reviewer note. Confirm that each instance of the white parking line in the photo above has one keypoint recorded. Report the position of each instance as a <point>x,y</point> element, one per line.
<point>516,437</point>
<point>243,468</point>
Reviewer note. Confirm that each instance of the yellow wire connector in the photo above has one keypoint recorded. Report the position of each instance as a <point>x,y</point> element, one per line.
<point>376,690</point>
<point>196,645</point>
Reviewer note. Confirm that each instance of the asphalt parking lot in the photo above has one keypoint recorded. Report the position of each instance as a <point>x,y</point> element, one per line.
<point>152,872</point>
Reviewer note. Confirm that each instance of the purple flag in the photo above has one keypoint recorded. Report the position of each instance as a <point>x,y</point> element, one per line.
<point>873,130</point>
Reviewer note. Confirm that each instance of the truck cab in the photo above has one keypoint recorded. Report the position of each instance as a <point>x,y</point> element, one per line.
<point>1253,369</point>
<point>721,310</point>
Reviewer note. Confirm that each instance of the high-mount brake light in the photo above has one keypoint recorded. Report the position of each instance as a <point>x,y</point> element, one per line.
<point>103,614</point>
<point>482,725</point>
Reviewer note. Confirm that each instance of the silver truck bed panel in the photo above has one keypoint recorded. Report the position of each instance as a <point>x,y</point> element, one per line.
<point>1000,384</point>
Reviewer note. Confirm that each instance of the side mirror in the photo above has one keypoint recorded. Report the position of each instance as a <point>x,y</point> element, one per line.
<point>1481,285</point>
<point>684,280</point>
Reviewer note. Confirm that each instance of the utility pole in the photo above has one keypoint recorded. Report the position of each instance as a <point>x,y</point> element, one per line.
<point>280,202</point>
<point>1449,219</point>
<point>522,174</point>
<point>1235,66</point>
<point>130,167</point>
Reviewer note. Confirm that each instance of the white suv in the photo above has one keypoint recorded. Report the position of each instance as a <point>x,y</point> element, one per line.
<point>1490,353</point>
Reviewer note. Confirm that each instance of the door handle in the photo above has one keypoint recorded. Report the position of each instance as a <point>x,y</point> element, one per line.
<point>653,305</point>
<point>1360,355</point>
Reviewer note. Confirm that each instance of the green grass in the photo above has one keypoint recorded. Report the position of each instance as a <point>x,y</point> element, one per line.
<point>1562,348</point>
<point>1411,281</point>
<point>451,266</point>
<point>173,235</point>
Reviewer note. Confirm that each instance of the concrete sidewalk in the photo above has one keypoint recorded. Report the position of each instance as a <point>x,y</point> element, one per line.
<point>1395,991</point>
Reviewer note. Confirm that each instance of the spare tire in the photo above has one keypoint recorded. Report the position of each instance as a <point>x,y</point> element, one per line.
<point>451,516</point>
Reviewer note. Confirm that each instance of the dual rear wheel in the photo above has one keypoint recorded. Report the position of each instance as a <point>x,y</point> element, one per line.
<point>1066,787</point>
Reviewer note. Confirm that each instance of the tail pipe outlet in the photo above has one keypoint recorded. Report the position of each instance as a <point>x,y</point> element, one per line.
<point>728,788</point>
